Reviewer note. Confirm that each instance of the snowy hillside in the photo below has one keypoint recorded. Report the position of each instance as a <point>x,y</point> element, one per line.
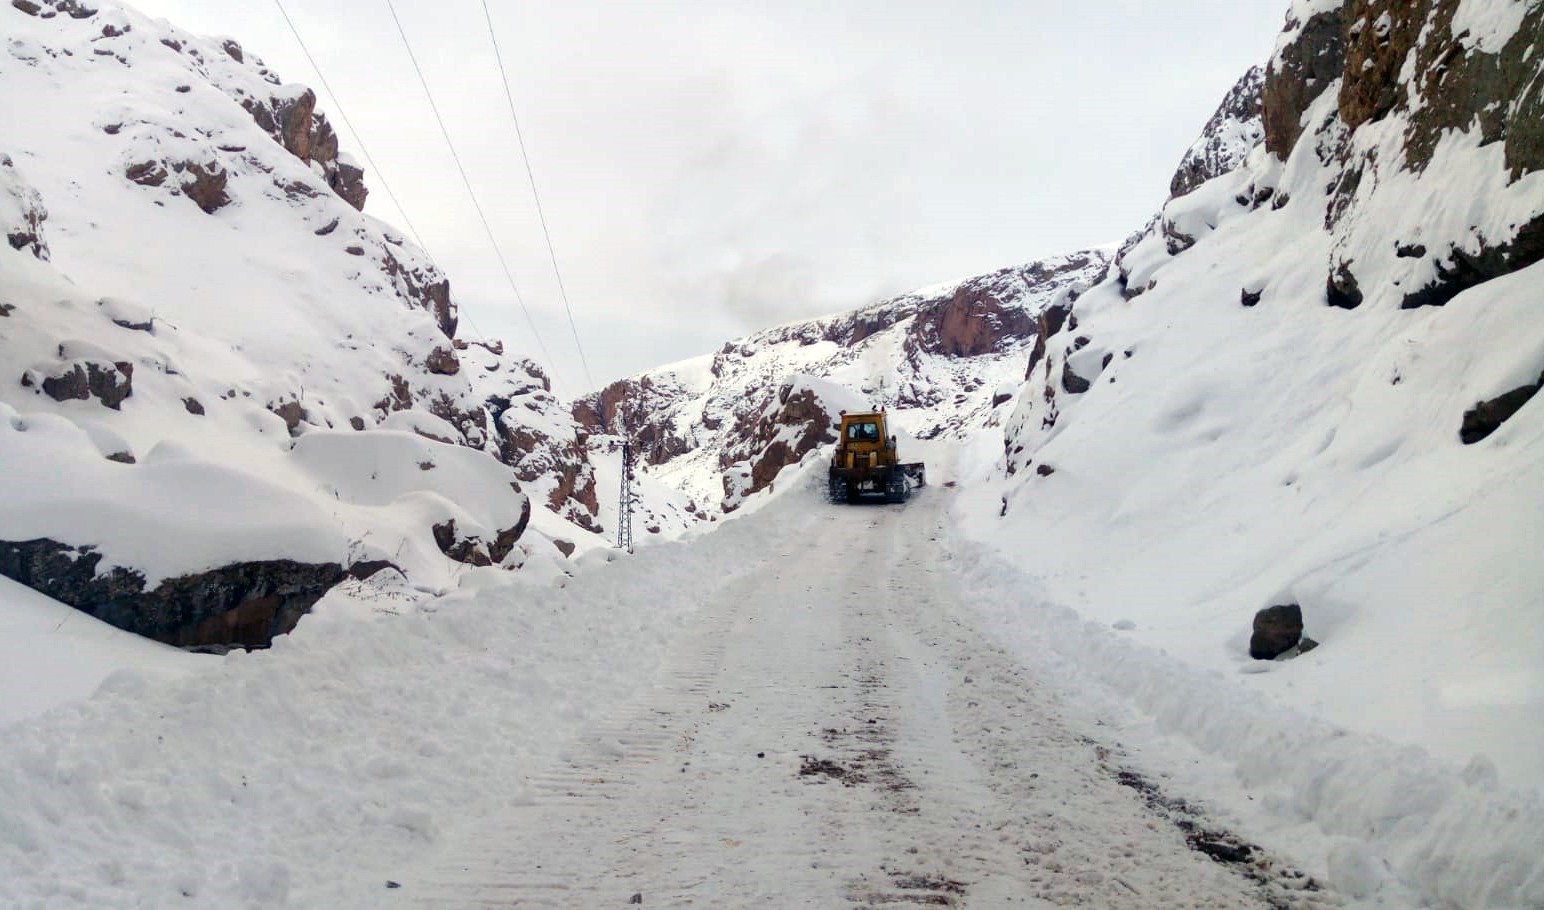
<point>944,359</point>
<point>225,388</point>
<point>1309,382</point>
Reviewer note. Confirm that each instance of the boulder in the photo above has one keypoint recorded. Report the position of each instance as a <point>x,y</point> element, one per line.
<point>146,173</point>
<point>1277,630</point>
<point>238,605</point>
<point>292,412</point>
<point>205,185</point>
<point>443,361</point>
<point>1071,382</point>
<point>468,550</point>
<point>1487,416</point>
<point>473,550</point>
<point>80,380</point>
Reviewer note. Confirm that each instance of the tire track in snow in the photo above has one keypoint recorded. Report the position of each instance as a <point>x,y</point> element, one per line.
<point>833,733</point>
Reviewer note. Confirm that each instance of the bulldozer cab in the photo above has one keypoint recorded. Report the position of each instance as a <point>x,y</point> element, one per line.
<point>863,428</point>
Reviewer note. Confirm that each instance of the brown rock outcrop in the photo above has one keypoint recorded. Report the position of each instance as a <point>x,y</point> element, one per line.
<point>442,361</point>
<point>109,383</point>
<point>242,604</point>
<point>1487,416</point>
<point>294,123</point>
<point>205,184</point>
<point>1299,75</point>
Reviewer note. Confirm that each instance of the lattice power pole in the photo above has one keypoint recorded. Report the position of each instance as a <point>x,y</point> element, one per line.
<point>625,506</point>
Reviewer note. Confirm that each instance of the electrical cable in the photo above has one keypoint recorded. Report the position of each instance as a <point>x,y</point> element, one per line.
<point>380,175</point>
<point>531,177</point>
<point>487,228</point>
<point>338,103</point>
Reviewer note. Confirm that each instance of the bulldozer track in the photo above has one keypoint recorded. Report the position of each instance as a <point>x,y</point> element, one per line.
<point>833,732</point>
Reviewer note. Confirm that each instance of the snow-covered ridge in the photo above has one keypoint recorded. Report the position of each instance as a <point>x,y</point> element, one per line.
<point>943,359</point>
<point>211,357</point>
<point>1312,380</point>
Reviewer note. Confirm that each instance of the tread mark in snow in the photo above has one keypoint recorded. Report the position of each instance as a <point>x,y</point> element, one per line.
<point>963,782</point>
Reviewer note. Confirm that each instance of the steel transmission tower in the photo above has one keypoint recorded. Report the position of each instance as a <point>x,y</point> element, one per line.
<point>625,506</point>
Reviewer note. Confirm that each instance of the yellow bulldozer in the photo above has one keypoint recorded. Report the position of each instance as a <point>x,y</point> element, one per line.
<point>867,462</point>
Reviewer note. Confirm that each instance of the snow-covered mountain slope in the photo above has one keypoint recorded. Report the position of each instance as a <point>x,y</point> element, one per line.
<point>944,359</point>
<point>1311,382</point>
<point>223,385</point>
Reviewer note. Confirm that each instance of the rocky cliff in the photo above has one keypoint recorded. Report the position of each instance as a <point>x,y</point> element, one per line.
<point>198,322</point>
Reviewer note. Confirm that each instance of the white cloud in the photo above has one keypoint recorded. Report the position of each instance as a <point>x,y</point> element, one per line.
<point>710,168</point>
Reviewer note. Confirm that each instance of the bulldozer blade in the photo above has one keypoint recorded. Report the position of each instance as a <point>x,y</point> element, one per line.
<point>916,472</point>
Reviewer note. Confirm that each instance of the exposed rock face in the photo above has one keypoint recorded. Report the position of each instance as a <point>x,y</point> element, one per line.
<point>425,288</point>
<point>636,404</point>
<point>1312,58</point>
<point>1463,269</point>
<point>50,8</point>
<point>973,321</point>
<point>244,604</point>
<point>1381,33</point>
<point>294,123</point>
<point>1458,85</point>
<point>292,412</point>
<point>1277,630</point>
<point>1228,136</point>
<point>548,453</point>
<point>1048,323</point>
<point>1071,382</point>
<point>799,425</point>
<point>1420,65</point>
<point>204,184</point>
<point>471,549</point>
<point>146,173</point>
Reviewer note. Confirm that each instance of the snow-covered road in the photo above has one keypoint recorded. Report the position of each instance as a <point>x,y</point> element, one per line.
<point>832,731</point>
<point>812,706</point>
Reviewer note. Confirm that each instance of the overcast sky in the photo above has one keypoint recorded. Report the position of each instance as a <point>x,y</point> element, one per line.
<point>710,167</point>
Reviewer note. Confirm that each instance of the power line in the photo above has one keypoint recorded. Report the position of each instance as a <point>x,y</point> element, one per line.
<point>358,137</point>
<point>488,229</point>
<point>380,175</point>
<point>531,177</point>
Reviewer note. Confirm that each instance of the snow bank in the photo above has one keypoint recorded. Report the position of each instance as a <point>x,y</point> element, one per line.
<point>305,774</point>
<point>1455,837</point>
<point>51,654</point>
